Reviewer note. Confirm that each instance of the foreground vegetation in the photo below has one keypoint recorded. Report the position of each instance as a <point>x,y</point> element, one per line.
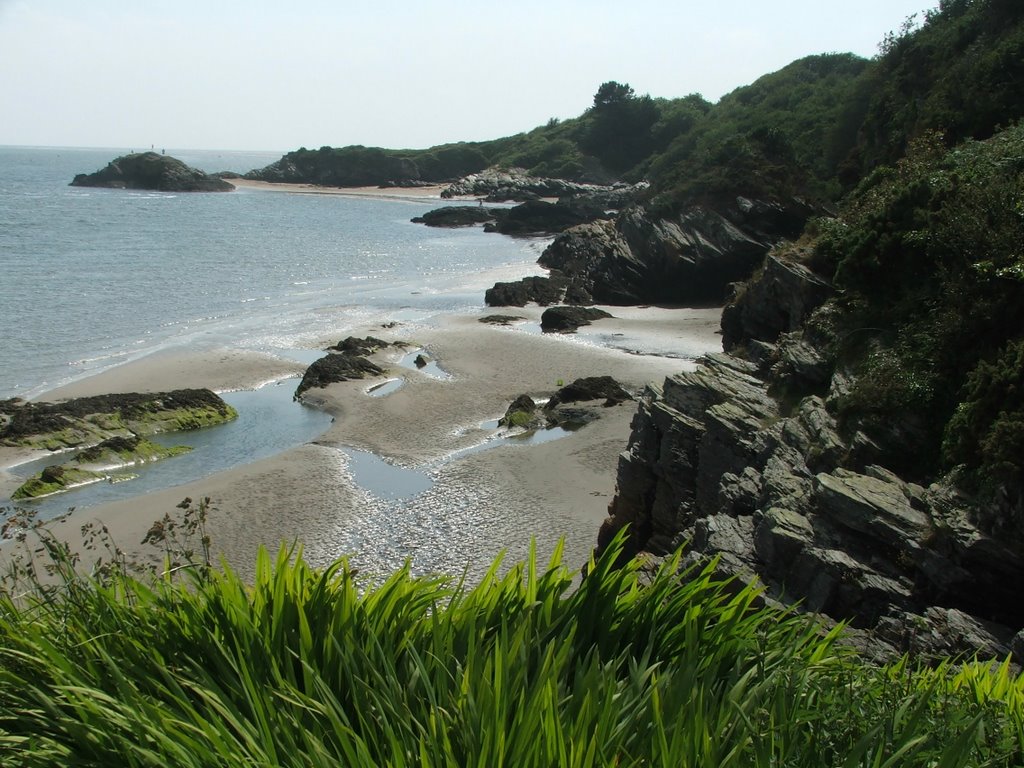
<point>310,667</point>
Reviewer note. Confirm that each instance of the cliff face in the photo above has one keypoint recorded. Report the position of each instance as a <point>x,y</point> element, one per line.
<point>686,258</point>
<point>148,170</point>
<point>744,459</point>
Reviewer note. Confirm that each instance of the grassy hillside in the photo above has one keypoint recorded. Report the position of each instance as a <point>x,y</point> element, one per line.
<point>308,667</point>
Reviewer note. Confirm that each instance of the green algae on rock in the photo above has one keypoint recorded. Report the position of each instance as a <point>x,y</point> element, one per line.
<point>88,421</point>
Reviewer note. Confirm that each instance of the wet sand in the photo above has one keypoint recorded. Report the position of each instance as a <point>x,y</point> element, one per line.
<point>478,504</point>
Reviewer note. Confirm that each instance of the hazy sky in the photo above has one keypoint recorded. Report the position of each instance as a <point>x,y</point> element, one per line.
<point>249,74</point>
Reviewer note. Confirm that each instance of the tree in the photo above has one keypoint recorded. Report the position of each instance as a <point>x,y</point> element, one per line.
<point>612,93</point>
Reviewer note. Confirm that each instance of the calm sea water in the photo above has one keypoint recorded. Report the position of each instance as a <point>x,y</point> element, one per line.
<point>90,278</point>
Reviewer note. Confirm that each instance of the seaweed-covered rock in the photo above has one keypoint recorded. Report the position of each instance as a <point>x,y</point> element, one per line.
<point>92,465</point>
<point>522,412</point>
<point>500,319</point>
<point>148,170</point>
<point>90,420</point>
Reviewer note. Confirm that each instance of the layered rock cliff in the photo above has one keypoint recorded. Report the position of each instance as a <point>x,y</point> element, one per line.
<point>745,460</point>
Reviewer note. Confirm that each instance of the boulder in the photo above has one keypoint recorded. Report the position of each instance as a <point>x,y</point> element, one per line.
<point>335,367</point>
<point>460,216</point>
<point>355,346</point>
<point>537,289</point>
<point>590,388</point>
<point>568,319</point>
<point>148,170</point>
<point>522,412</point>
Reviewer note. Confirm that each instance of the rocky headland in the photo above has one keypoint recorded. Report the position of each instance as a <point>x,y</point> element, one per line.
<point>746,461</point>
<point>497,185</point>
<point>149,170</point>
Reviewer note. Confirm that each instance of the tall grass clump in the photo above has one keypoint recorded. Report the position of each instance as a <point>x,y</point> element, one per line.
<point>308,667</point>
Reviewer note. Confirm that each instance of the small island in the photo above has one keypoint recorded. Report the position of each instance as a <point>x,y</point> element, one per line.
<point>149,170</point>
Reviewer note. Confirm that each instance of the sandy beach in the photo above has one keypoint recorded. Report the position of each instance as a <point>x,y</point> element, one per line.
<point>477,505</point>
<point>432,191</point>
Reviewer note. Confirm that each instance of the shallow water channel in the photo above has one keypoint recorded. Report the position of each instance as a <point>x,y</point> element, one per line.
<point>268,422</point>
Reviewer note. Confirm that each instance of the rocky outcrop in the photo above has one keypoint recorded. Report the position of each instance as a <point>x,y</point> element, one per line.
<point>690,258</point>
<point>571,407</point>
<point>590,388</point>
<point>335,367</point>
<point>778,300</point>
<point>534,217</point>
<point>459,216</point>
<point>780,494</point>
<point>148,170</point>
<point>500,319</point>
<point>496,185</point>
<point>367,345</point>
<point>745,460</point>
<point>568,319</point>
<point>537,289</point>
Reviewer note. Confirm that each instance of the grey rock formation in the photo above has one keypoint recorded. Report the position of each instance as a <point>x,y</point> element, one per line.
<point>691,257</point>
<point>717,464</point>
<point>497,185</point>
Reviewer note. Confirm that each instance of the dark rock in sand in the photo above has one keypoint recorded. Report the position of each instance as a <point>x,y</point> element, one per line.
<point>421,361</point>
<point>523,412</point>
<point>568,319</point>
<point>356,346</point>
<point>500,319</point>
<point>335,367</point>
<point>148,170</point>
<point>590,388</point>
<point>541,290</point>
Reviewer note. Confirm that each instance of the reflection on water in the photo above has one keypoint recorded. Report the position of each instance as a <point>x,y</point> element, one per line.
<point>431,369</point>
<point>382,479</point>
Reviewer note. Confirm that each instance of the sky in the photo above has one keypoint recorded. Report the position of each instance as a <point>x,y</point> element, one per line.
<point>274,76</point>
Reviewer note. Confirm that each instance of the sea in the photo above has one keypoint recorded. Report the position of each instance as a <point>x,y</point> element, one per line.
<point>93,278</point>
